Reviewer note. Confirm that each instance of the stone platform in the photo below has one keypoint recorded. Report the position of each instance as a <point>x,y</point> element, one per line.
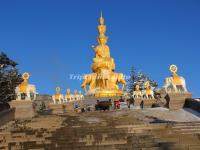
<point>176,101</point>
<point>24,109</point>
<point>137,102</point>
<point>144,103</point>
<point>56,108</point>
<point>148,103</point>
<point>65,107</point>
<point>92,101</point>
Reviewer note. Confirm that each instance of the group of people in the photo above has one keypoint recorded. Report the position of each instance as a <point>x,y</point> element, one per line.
<point>121,103</point>
<point>110,104</point>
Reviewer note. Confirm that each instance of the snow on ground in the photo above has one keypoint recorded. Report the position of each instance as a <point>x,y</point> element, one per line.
<point>182,115</point>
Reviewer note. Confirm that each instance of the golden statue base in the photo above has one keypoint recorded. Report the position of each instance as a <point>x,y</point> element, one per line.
<point>107,93</point>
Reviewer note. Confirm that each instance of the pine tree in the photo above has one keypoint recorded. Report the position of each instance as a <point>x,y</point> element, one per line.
<point>132,80</point>
<point>142,78</point>
<point>9,79</point>
<point>138,78</point>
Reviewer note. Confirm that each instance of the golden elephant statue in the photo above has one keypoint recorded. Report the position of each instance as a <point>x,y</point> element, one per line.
<point>117,78</point>
<point>89,79</point>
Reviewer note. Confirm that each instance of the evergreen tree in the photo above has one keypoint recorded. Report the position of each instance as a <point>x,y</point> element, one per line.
<point>142,78</point>
<point>132,80</point>
<point>138,78</point>
<point>9,79</point>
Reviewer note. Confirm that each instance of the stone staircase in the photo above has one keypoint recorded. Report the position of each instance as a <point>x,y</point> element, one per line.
<point>76,134</point>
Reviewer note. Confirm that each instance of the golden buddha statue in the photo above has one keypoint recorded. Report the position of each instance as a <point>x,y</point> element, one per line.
<point>57,94</point>
<point>103,81</point>
<point>176,78</point>
<point>148,93</point>
<point>175,83</point>
<point>68,92</point>
<point>68,95</point>
<point>102,51</point>
<point>26,89</point>
<point>24,84</point>
<point>147,87</point>
<point>57,97</point>
<point>137,93</point>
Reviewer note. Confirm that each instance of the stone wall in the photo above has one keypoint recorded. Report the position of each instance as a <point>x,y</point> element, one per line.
<point>24,109</point>
<point>47,99</point>
<point>7,115</point>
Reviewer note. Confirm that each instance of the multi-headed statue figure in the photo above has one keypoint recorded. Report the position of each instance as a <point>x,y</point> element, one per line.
<point>26,91</point>
<point>103,81</point>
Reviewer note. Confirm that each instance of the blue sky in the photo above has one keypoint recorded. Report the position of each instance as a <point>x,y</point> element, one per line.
<point>52,39</point>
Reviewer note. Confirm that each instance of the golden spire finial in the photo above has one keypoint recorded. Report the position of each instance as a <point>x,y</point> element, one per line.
<point>102,30</point>
<point>101,19</point>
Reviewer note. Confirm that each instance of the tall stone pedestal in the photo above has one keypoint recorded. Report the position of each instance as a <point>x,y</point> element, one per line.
<point>61,108</point>
<point>176,101</point>
<point>144,103</point>
<point>137,102</point>
<point>23,109</point>
<point>56,108</point>
<point>148,103</point>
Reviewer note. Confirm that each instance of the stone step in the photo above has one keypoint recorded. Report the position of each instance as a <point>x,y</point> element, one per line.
<point>186,124</point>
<point>194,147</point>
<point>186,127</point>
<point>142,136</point>
<point>173,146</point>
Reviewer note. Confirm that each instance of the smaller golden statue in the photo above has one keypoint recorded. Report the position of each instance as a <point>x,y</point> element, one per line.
<point>26,89</point>
<point>68,91</point>
<point>58,97</point>
<point>176,79</point>
<point>80,95</point>
<point>75,95</point>
<point>175,83</point>
<point>68,96</point>
<point>137,93</point>
<point>148,92</point>
<point>24,84</point>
